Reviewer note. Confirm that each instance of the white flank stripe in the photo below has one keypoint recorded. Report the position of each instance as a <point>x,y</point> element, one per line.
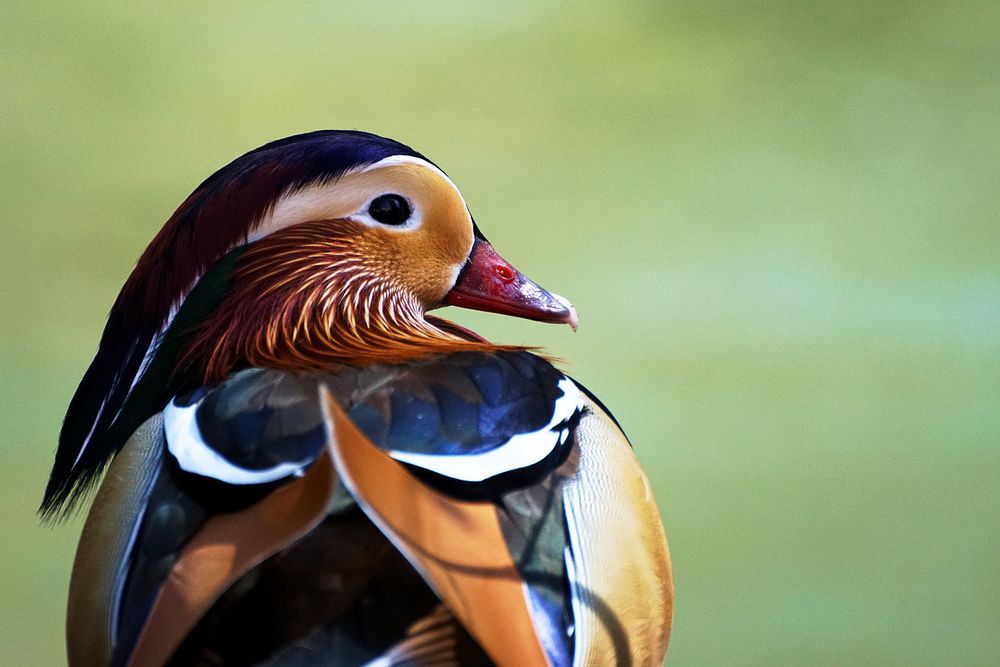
<point>194,455</point>
<point>581,619</point>
<point>521,451</point>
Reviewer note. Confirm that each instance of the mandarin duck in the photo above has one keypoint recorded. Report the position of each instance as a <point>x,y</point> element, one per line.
<point>301,466</point>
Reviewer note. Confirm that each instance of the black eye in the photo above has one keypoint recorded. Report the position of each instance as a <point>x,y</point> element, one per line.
<point>389,209</point>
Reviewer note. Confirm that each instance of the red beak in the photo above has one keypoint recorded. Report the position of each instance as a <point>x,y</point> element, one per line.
<point>488,282</point>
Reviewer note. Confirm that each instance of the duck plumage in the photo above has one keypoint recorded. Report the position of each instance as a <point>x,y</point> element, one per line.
<point>302,466</point>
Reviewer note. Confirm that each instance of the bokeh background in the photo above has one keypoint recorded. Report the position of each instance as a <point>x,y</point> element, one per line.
<point>778,220</point>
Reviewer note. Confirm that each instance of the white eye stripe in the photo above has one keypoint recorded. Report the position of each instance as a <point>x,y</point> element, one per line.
<point>330,199</point>
<point>409,159</point>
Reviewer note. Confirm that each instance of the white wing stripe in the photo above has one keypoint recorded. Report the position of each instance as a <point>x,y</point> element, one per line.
<point>194,455</point>
<point>521,451</point>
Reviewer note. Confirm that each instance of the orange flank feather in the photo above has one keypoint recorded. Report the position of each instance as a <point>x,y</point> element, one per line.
<point>227,547</point>
<point>458,545</point>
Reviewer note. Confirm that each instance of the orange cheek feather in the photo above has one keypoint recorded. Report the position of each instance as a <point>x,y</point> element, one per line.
<point>320,294</point>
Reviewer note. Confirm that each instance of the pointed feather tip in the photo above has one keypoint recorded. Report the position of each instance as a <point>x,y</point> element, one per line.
<point>63,500</point>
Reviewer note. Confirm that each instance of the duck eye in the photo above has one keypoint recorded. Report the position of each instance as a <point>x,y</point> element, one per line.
<point>389,209</point>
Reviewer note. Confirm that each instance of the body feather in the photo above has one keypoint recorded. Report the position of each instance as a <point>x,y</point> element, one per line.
<point>516,543</point>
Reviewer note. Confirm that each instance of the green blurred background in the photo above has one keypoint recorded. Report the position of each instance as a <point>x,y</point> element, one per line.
<point>778,220</point>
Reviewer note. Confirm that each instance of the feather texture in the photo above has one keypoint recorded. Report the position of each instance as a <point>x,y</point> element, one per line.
<point>218,216</point>
<point>316,296</point>
<point>312,470</point>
